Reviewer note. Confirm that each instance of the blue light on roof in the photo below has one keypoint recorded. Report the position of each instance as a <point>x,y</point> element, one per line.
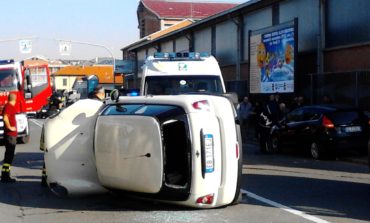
<point>2,62</point>
<point>184,55</point>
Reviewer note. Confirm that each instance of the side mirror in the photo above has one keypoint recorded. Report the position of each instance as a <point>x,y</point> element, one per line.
<point>28,95</point>
<point>232,96</point>
<point>114,95</point>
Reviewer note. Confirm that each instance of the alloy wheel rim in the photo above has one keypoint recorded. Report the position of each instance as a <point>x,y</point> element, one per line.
<point>314,150</point>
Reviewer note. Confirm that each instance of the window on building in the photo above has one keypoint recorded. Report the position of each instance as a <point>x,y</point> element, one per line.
<point>64,82</point>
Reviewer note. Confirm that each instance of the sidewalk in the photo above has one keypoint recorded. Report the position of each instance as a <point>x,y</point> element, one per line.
<point>353,158</point>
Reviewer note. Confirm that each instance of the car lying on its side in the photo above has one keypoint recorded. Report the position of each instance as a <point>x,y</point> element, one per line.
<point>323,130</point>
<point>178,149</point>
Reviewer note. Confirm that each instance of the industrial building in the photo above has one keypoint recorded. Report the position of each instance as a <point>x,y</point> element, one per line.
<point>329,47</point>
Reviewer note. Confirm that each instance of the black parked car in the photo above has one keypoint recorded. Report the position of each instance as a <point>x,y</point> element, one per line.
<point>322,129</point>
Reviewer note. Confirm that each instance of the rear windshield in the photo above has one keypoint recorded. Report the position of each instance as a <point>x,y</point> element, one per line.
<point>346,117</point>
<point>173,85</point>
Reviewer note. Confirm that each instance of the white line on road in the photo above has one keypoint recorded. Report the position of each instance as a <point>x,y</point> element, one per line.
<point>39,124</point>
<point>285,208</point>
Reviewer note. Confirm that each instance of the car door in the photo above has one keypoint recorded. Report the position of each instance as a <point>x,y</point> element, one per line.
<point>291,127</point>
<point>308,125</point>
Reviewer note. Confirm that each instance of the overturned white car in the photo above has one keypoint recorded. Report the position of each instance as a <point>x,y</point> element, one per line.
<point>181,149</point>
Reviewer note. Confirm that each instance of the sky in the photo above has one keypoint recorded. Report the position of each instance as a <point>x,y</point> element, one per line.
<point>95,28</point>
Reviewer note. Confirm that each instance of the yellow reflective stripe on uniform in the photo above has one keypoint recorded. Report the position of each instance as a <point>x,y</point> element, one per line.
<point>6,164</point>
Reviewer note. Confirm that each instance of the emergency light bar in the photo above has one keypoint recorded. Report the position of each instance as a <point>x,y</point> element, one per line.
<point>185,55</point>
<point>2,62</point>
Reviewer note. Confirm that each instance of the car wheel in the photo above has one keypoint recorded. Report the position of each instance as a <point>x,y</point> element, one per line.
<point>275,144</point>
<point>368,153</point>
<point>24,139</point>
<point>316,151</point>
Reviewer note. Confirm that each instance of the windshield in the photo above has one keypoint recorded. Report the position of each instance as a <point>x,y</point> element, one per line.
<point>172,85</point>
<point>8,80</point>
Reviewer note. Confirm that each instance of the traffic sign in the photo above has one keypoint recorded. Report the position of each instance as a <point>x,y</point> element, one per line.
<point>25,46</point>
<point>65,48</point>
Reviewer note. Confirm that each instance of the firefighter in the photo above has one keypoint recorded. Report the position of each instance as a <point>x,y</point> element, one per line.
<point>10,137</point>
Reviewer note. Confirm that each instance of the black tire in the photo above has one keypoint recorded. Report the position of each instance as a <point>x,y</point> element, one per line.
<point>368,154</point>
<point>24,139</point>
<point>316,151</point>
<point>275,144</point>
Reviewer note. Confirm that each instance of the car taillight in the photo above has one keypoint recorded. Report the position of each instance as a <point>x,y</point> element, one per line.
<point>327,123</point>
<point>208,199</point>
<point>237,150</point>
<point>201,105</point>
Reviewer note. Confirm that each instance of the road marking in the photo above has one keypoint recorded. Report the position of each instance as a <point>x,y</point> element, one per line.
<point>39,124</point>
<point>285,208</point>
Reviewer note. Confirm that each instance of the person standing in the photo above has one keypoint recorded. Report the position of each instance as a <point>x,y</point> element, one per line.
<point>99,93</point>
<point>10,137</point>
<point>244,110</point>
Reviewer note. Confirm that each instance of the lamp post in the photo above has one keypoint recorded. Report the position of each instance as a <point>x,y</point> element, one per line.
<point>98,45</point>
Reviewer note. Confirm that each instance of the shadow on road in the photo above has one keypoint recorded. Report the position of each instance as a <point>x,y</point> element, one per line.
<point>30,194</point>
<point>317,197</point>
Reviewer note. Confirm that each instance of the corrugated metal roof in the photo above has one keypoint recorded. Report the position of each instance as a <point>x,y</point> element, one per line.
<point>194,10</point>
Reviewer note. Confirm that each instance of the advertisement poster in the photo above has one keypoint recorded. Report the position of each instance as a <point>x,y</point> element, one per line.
<point>272,57</point>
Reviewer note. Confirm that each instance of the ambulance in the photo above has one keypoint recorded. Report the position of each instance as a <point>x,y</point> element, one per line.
<point>181,73</point>
<point>181,148</point>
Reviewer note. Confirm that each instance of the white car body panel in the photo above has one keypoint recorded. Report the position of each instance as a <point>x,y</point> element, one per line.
<point>69,158</point>
<point>117,161</point>
<point>125,157</point>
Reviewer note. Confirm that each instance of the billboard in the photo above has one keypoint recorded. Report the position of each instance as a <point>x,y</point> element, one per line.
<point>272,59</point>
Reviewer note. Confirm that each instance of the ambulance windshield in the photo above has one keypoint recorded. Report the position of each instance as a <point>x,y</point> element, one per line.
<point>8,80</point>
<point>173,85</point>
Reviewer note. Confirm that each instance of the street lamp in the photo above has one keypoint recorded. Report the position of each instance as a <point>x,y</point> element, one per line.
<point>98,45</point>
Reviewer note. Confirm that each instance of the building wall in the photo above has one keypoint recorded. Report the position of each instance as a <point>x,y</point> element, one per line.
<point>255,21</point>
<point>59,80</point>
<point>182,44</point>
<point>165,23</point>
<point>307,13</point>
<point>353,58</point>
<point>347,22</point>
<point>148,23</point>
<point>141,55</point>
<point>203,40</point>
<point>167,46</point>
<point>226,42</point>
<point>151,52</point>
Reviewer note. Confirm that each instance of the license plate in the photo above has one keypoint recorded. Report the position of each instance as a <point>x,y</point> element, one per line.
<point>208,143</point>
<point>353,129</point>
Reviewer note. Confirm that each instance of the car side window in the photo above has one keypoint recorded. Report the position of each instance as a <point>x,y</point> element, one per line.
<point>310,114</point>
<point>295,116</point>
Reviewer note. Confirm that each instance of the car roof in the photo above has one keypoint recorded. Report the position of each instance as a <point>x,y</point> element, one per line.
<point>331,107</point>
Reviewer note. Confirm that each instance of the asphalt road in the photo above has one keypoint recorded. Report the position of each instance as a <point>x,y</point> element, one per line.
<point>278,188</point>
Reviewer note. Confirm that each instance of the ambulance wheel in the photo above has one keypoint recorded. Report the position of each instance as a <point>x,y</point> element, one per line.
<point>24,139</point>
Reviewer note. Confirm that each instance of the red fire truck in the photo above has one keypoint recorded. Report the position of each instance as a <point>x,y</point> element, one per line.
<point>32,85</point>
